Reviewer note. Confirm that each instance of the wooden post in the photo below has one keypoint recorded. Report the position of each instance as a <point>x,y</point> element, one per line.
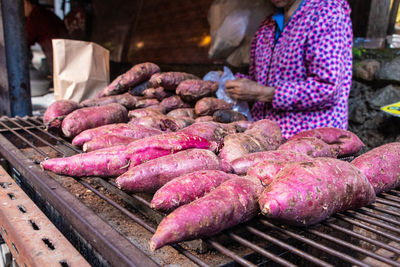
<point>393,16</point>
<point>378,20</point>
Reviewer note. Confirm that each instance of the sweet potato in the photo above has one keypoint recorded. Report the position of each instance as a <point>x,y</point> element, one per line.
<point>127,100</point>
<point>238,126</point>
<point>347,142</point>
<point>209,130</point>
<point>57,111</point>
<point>182,112</point>
<point>114,161</point>
<point>142,112</point>
<point>92,117</point>
<point>186,188</point>
<point>267,132</point>
<point>170,80</point>
<point>208,105</point>
<point>231,203</point>
<point>107,140</point>
<point>241,165</point>
<point>154,121</point>
<point>307,192</point>
<point>238,145</point>
<point>158,93</point>
<point>311,146</point>
<point>381,165</point>
<point>122,129</point>
<point>172,102</point>
<point>144,103</point>
<point>107,162</point>
<point>139,89</point>
<point>151,175</point>
<point>193,90</point>
<point>204,118</point>
<point>137,74</point>
<point>228,115</point>
<point>175,124</point>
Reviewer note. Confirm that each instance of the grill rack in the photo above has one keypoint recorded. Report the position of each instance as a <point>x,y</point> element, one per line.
<point>369,236</point>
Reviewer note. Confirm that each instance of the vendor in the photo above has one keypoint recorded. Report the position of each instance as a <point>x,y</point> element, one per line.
<point>301,66</point>
<point>42,26</point>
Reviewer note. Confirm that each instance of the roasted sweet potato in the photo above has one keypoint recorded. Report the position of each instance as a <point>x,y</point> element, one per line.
<point>139,89</point>
<point>231,203</point>
<point>239,126</point>
<point>267,132</point>
<point>186,188</point>
<point>228,115</point>
<point>209,130</point>
<point>347,142</point>
<point>173,102</point>
<point>311,146</point>
<point>151,175</point>
<point>114,161</point>
<point>154,121</point>
<point>182,112</point>
<point>381,165</point>
<point>239,145</point>
<point>175,124</point>
<point>142,112</point>
<point>107,140</point>
<point>307,192</point>
<point>193,90</point>
<point>92,117</point>
<point>127,100</point>
<point>241,165</point>
<point>57,111</point>
<point>204,118</point>
<point>122,129</point>
<point>208,105</point>
<point>137,74</point>
<point>144,103</point>
<point>158,93</point>
<point>170,80</point>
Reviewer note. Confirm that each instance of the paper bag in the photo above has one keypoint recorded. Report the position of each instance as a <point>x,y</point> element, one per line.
<point>80,69</point>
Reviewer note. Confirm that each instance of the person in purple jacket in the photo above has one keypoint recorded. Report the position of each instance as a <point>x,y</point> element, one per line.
<point>301,66</point>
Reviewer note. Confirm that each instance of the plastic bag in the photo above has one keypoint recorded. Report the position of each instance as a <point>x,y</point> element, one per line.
<point>239,106</point>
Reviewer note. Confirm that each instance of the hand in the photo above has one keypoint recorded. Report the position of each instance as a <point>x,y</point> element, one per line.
<point>248,90</point>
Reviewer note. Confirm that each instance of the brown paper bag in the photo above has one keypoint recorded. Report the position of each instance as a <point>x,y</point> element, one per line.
<point>80,69</point>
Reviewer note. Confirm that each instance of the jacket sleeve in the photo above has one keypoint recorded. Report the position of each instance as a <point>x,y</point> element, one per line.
<point>326,53</point>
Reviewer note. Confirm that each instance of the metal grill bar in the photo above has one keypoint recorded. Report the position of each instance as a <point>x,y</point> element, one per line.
<point>373,222</point>
<point>229,253</point>
<point>390,197</point>
<point>377,216</point>
<point>287,247</point>
<point>386,202</point>
<point>369,228</point>
<point>313,244</point>
<point>396,214</point>
<point>24,139</point>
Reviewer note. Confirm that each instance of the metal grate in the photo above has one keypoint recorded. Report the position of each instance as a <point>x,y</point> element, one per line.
<point>369,236</point>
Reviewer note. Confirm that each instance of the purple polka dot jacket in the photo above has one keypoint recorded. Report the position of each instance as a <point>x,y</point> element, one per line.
<point>310,67</point>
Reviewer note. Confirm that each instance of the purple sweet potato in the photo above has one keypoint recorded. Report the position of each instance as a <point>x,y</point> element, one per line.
<point>241,165</point>
<point>347,142</point>
<point>171,103</point>
<point>114,161</point>
<point>267,170</point>
<point>144,103</point>
<point>186,188</point>
<point>239,126</point>
<point>142,112</point>
<point>158,93</point>
<point>238,145</point>
<point>107,140</point>
<point>127,100</point>
<point>204,118</point>
<point>122,129</point>
<point>182,112</point>
<point>228,116</point>
<point>231,203</point>
<point>92,117</point>
<point>311,146</point>
<point>307,192</point>
<point>193,90</point>
<point>208,105</point>
<point>137,74</point>
<point>209,130</point>
<point>56,112</point>
<point>154,121</point>
<point>381,165</point>
<point>170,80</point>
<point>151,175</point>
<point>175,124</point>
<point>267,132</point>
<point>107,162</point>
